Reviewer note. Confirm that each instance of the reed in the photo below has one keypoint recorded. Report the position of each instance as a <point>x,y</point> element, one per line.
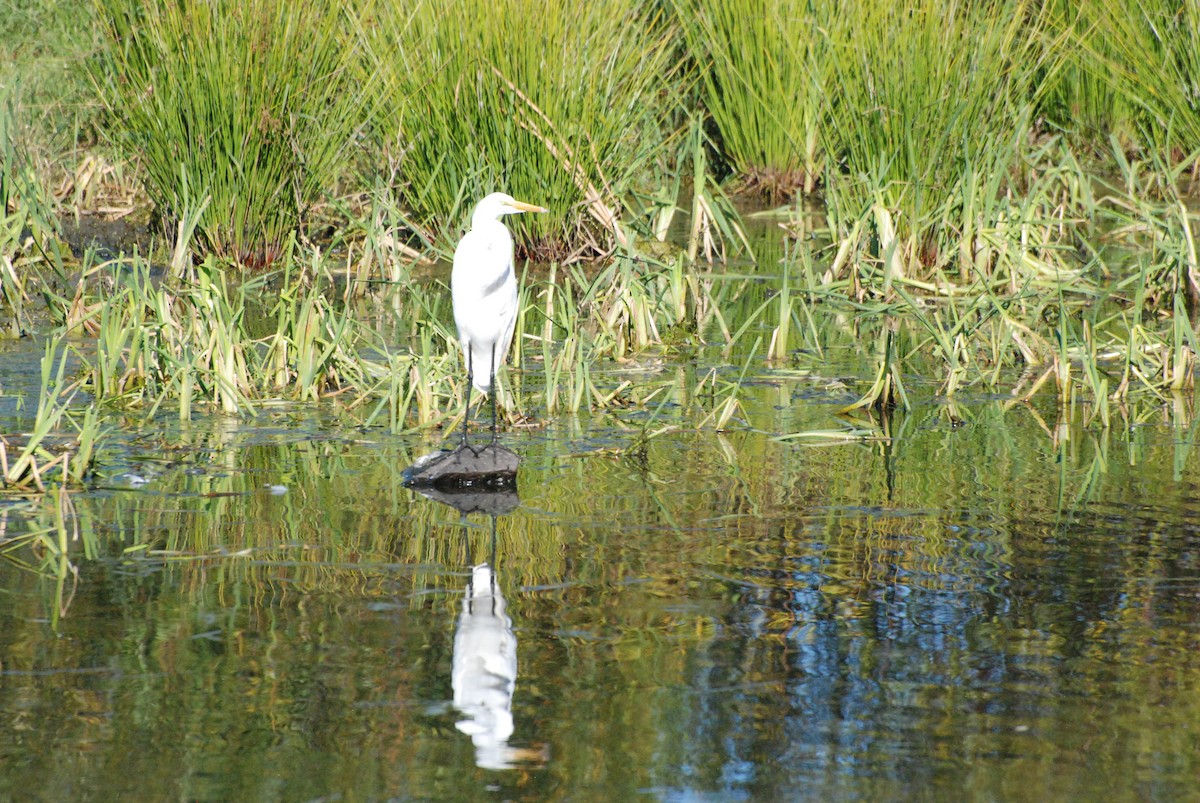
<point>250,106</point>
<point>1085,99</point>
<point>716,229</point>
<point>27,220</point>
<point>927,105</point>
<point>555,102</point>
<point>763,69</point>
<point>48,94</point>
<point>61,441</point>
<point>1148,55</point>
<point>961,242</point>
<point>186,342</point>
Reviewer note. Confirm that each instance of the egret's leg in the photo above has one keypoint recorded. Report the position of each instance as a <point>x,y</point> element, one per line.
<point>493,393</point>
<point>470,383</point>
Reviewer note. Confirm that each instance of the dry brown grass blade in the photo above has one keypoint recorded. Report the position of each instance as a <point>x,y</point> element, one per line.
<point>10,276</point>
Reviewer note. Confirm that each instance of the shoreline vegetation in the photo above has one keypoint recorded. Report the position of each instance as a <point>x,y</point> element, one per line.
<point>991,197</point>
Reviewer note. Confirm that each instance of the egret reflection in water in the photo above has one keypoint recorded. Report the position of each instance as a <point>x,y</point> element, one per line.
<point>484,676</point>
<point>484,669</point>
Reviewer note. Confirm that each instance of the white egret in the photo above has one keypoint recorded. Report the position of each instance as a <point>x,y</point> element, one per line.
<point>483,286</point>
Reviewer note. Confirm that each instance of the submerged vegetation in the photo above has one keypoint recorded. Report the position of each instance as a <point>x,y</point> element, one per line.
<point>978,195</point>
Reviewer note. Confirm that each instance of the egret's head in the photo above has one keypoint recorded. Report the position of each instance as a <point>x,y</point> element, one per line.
<point>499,204</point>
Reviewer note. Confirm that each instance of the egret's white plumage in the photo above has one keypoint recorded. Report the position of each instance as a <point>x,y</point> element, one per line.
<point>483,286</point>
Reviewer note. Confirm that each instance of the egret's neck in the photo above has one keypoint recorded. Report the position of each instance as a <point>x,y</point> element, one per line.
<point>484,219</point>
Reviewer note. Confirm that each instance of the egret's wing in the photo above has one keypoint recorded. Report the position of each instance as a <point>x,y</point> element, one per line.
<point>472,252</point>
<point>509,315</point>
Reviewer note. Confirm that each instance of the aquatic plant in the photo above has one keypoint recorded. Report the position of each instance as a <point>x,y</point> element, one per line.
<point>42,56</point>
<point>926,104</point>
<point>1084,98</point>
<point>186,343</point>
<point>61,441</point>
<point>1148,54</point>
<point>555,103</point>
<point>762,69</point>
<point>252,106</point>
<point>960,245</point>
<point>27,223</point>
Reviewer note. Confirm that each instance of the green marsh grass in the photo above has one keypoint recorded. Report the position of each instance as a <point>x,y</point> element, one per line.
<point>979,243</point>
<point>926,105</point>
<point>762,70</point>
<point>1147,53</point>
<point>61,442</point>
<point>186,341</point>
<point>1085,99</point>
<point>251,107</point>
<point>27,222</point>
<point>201,341</point>
<point>556,102</point>
<point>55,115</point>
<point>716,230</point>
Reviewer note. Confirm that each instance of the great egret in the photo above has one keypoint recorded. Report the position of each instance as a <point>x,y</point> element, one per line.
<point>483,286</point>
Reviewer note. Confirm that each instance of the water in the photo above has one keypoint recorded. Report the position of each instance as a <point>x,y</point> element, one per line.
<point>987,606</point>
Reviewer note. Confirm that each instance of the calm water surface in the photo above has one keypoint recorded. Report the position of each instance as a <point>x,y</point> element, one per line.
<point>990,605</point>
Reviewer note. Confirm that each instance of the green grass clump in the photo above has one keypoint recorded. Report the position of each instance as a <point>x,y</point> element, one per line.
<point>1149,52</point>
<point>555,103</point>
<point>1083,98</point>
<point>762,68</point>
<point>188,342</point>
<point>25,203</point>
<point>60,443</point>
<point>249,104</point>
<point>27,223</point>
<point>42,56</point>
<point>928,103</point>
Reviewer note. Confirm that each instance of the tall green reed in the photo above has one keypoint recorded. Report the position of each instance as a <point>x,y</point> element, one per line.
<point>61,442</point>
<point>762,68</point>
<point>1085,98</point>
<point>920,99</point>
<point>27,220</point>
<point>554,102</point>
<point>252,105</point>
<point>1148,52</point>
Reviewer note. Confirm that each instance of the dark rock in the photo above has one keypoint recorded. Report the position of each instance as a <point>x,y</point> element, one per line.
<point>485,468</point>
